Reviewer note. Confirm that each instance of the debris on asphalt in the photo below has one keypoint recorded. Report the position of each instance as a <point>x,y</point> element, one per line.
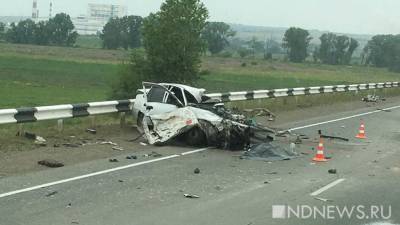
<point>272,173</point>
<point>372,98</point>
<point>332,171</point>
<point>267,152</point>
<point>56,145</point>
<point>70,145</point>
<point>298,141</point>
<point>51,193</point>
<point>121,181</point>
<point>108,143</point>
<point>91,131</point>
<point>266,182</point>
<point>117,148</point>
<point>69,205</point>
<point>113,160</point>
<point>131,157</point>
<point>142,143</point>
<point>191,196</point>
<point>293,148</point>
<point>332,137</point>
<point>196,171</point>
<point>218,188</point>
<point>323,199</point>
<point>155,154</point>
<point>51,163</point>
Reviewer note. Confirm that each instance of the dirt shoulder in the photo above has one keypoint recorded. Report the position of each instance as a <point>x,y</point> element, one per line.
<point>82,146</point>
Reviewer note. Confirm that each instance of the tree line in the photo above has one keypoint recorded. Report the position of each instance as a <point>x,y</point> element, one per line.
<point>383,51</point>
<point>58,31</point>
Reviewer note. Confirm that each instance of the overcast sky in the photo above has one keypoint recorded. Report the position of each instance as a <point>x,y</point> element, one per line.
<point>347,16</point>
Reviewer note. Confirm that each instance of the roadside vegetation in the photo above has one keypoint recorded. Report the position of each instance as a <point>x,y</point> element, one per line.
<point>50,67</point>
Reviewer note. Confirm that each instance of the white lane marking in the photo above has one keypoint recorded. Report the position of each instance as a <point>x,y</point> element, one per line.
<point>344,118</point>
<point>194,151</point>
<point>334,183</point>
<point>98,173</point>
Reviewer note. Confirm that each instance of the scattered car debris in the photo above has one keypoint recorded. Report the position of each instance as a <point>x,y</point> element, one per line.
<point>108,143</point>
<point>38,140</point>
<point>196,171</point>
<point>120,181</point>
<point>298,140</point>
<point>113,160</point>
<point>51,163</point>
<point>131,157</point>
<point>272,173</point>
<point>142,143</point>
<point>69,205</point>
<point>70,145</point>
<point>332,171</point>
<point>218,188</point>
<point>155,154</point>
<point>191,196</point>
<point>323,199</point>
<point>117,148</point>
<point>266,182</point>
<point>51,193</point>
<point>332,137</point>
<point>268,152</point>
<point>293,148</point>
<point>91,131</point>
<point>372,98</point>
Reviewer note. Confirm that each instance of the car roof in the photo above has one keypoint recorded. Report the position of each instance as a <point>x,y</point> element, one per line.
<point>196,92</point>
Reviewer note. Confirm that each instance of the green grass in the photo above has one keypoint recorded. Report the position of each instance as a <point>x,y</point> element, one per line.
<point>39,75</point>
<point>89,41</point>
<point>229,75</point>
<point>32,82</point>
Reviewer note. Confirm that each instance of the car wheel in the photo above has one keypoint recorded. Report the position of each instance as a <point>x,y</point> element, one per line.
<point>196,137</point>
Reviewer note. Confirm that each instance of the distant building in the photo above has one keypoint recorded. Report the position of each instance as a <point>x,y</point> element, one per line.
<point>97,16</point>
<point>35,10</point>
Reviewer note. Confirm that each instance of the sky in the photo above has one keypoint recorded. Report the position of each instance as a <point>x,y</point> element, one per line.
<point>343,16</point>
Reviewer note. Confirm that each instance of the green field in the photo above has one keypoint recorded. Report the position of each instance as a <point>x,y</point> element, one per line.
<point>36,75</point>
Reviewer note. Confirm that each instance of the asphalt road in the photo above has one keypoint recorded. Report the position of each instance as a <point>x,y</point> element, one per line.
<point>232,191</point>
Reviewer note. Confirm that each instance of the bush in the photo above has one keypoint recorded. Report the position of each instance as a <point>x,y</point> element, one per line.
<point>244,64</point>
<point>131,77</point>
<point>254,63</point>
<point>205,72</point>
<point>225,54</point>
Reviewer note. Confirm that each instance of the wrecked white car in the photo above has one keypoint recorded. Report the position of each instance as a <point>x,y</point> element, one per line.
<point>174,112</point>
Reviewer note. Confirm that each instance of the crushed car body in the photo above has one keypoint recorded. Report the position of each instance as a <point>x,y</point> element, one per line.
<point>172,112</point>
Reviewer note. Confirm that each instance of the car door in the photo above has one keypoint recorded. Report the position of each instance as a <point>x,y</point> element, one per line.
<point>157,101</point>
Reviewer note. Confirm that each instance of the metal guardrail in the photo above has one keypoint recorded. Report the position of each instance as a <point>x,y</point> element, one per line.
<point>24,115</point>
<point>276,93</point>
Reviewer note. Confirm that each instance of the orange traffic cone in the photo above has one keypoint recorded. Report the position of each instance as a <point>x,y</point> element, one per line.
<point>320,157</point>
<point>361,131</point>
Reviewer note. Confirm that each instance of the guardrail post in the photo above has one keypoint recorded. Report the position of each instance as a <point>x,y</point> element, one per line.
<point>21,129</point>
<point>122,119</point>
<point>60,125</point>
<point>93,122</point>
